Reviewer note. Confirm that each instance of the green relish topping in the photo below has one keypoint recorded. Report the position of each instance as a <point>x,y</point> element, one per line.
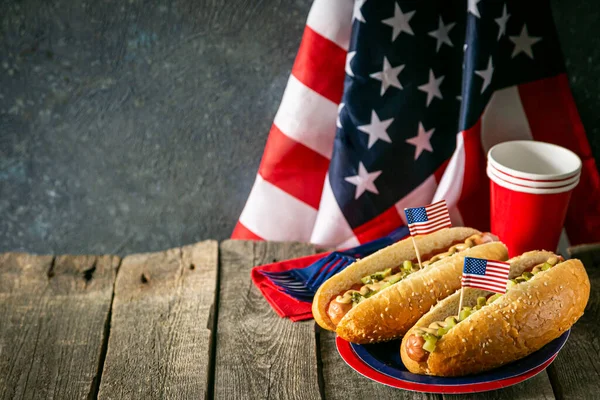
<point>436,330</point>
<point>373,283</point>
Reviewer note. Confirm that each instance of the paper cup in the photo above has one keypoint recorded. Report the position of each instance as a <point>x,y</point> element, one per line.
<point>531,185</point>
<point>535,161</point>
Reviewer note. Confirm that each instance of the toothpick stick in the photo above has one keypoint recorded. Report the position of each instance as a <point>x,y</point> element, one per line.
<point>417,251</point>
<point>462,291</point>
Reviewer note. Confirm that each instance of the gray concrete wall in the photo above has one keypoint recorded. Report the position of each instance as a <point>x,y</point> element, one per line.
<point>130,126</point>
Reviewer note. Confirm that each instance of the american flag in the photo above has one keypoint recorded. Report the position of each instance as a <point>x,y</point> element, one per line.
<point>485,274</point>
<point>428,219</point>
<point>393,104</point>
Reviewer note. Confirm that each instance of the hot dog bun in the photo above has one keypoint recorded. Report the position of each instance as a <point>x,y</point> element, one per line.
<point>527,317</point>
<point>392,311</point>
<point>389,256</point>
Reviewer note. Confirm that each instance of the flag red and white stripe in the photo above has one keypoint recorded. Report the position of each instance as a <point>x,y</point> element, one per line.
<point>428,219</point>
<point>492,277</point>
<point>293,180</point>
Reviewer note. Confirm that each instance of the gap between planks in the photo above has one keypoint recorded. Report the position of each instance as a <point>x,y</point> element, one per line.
<point>95,389</point>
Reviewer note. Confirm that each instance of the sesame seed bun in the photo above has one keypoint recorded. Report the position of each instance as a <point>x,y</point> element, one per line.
<point>526,318</point>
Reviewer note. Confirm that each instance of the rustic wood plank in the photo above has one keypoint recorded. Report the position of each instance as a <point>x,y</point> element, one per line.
<point>260,355</point>
<point>342,382</point>
<point>576,372</point>
<point>159,335</point>
<point>52,318</point>
<point>536,388</point>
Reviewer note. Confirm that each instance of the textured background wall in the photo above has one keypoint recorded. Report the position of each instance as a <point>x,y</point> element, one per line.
<point>130,126</point>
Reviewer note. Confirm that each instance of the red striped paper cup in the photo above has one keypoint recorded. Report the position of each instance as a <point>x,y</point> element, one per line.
<point>531,185</point>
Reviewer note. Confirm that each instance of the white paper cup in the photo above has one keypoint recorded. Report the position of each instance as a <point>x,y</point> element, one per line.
<point>527,187</point>
<point>534,161</point>
<point>531,183</point>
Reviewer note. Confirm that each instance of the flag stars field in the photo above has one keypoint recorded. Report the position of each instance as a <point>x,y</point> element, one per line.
<point>365,100</point>
<point>357,12</point>
<point>441,34</point>
<point>523,43</point>
<point>364,181</point>
<point>422,141</point>
<point>338,122</point>
<point>472,8</point>
<point>432,88</point>
<point>348,67</point>
<point>486,74</point>
<point>376,129</point>
<point>502,22</point>
<point>399,22</point>
<point>388,76</point>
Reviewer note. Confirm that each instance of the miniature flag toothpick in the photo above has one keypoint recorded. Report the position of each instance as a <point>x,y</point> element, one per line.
<point>428,219</point>
<point>484,274</point>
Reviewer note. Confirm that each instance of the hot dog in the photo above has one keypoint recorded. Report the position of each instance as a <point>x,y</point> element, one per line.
<point>545,296</point>
<point>381,296</point>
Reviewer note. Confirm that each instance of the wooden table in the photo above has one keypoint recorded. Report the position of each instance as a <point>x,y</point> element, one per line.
<point>154,326</point>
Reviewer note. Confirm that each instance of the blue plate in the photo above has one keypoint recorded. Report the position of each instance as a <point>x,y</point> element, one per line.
<point>385,358</point>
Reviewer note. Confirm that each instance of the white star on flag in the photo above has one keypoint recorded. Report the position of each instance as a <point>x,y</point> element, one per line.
<point>523,43</point>
<point>441,34</point>
<point>486,74</point>
<point>388,76</point>
<point>502,22</point>
<point>472,8</point>
<point>422,141</point>
<point>338,122</point>
<point>349,58</point>
<point>432,88</point>
<point>399,22</point>
<point>357,13</point>
<point>363,181</point>
<point>376,129</point>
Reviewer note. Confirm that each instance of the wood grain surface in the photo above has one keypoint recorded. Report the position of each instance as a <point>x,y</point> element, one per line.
<point>576,372</point>
<point>159,335</point>
<point>538,387</point>
<point>342,382</point>
<point>144,327</point>
<point>53,313</point>
<point>260,355</point>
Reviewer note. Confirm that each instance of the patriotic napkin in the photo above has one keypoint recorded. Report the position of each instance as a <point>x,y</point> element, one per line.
<point>284,305</point>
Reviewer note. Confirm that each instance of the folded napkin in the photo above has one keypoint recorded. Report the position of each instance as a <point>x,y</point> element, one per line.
<point>284,305</point>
